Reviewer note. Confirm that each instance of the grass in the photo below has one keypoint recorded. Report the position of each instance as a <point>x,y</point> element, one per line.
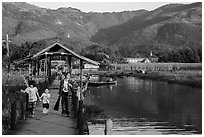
<point>159,66</point>
<point>185,77</point>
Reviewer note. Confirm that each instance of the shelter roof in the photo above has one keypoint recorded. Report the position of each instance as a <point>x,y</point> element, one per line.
<point>58,48</point>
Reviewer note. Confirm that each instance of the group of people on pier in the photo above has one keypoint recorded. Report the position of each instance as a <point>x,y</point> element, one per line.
<point>69,95</point>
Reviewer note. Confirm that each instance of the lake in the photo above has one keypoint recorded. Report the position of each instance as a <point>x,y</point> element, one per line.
<point>138,106</point>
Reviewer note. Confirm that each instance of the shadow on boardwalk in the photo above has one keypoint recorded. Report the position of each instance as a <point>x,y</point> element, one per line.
<point>52,124</point>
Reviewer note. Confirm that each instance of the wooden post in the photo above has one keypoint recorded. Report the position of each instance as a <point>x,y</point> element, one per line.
<point>81,67</point>
<point>7,45</point>
<point>31,69</point>
<point>108,127</point>
<point>80,118</point>
<point>13,114</point>
<point>23,106</point>
<point>35,68</point>
<point>45,63</point>
<point>69,63</point>
<point>44,67</point>
<point>41,66</point>
<point>75,104</point>
<point>49,68</point>
<point>38,67</point>
<point>80,114</point>
<point>8,52</point>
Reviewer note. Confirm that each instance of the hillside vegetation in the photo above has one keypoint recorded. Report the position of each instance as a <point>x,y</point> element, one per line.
<point>28,23</point>
<point>172,32</point>
<point>165,30</point>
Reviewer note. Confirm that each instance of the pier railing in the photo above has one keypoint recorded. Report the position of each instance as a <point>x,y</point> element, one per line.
<point>79,113</point>
<point>14,109</point>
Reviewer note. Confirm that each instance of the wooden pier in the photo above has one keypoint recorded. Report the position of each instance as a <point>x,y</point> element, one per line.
<point>54,123</point>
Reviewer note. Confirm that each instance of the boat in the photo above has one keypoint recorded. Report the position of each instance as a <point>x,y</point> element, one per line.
<point>102,83</point>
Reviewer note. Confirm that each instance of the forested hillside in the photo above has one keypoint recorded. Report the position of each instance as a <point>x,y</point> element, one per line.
<point>168,29</point>
<point>172,32</point>
<point>28,23</point>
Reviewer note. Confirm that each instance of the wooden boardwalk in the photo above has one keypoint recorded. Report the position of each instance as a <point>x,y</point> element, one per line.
<point>52,124</point>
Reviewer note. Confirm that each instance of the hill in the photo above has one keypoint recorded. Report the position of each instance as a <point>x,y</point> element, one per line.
<point>28,23</point>
<point>168,28</point>
<point>172,32</point>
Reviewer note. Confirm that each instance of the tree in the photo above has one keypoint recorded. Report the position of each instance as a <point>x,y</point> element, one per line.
<point>200,54</point>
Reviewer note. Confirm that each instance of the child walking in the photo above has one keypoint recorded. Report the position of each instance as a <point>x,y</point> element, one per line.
<point>45,98</point>
<point>33,94</point>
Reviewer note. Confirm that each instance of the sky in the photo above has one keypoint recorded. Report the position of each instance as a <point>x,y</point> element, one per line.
<point>116,6</point>
<point>101,6</point>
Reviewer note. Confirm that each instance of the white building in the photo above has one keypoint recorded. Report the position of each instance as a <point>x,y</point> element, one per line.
<point>134,60</point>
<point>91,67</point>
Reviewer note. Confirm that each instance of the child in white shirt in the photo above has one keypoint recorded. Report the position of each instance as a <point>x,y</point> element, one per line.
<point>33,94</point>
<point>45,98</point>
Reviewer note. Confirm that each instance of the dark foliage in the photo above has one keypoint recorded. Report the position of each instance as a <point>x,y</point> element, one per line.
<point>183,55</point>
<point>97,52</point>
<point>168,30</point>
<point>161,31</point>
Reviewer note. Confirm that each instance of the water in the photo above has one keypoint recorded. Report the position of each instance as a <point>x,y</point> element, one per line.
<point>139,106</point>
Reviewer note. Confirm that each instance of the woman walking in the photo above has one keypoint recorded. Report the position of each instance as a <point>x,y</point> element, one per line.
<point>66,94</point>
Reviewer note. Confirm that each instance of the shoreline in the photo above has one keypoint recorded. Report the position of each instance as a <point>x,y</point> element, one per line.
<point>172,79</point>
<point>192,78</point>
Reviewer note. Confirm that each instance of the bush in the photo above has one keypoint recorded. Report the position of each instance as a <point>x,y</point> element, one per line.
<point>93,109</point>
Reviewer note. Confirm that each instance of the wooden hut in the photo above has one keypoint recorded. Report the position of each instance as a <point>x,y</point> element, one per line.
<point>43,59</point>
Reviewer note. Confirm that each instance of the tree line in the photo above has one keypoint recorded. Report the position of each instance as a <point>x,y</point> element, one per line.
<point>105,55</point>
<point>184,55</point>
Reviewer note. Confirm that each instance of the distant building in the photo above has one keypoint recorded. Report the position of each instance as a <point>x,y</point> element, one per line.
<point>134,60</point>
<point>146,60</point>
<point>154,59</point>
<point>151,59</point>
<point>91,67</point>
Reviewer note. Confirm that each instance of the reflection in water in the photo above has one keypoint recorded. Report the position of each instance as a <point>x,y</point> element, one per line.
<point>137,85</point>
<point>180,106</point>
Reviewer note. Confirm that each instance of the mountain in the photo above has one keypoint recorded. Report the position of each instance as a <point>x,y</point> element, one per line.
<point>28,23</point>
<point>169,27</point>
<point>174,30</point>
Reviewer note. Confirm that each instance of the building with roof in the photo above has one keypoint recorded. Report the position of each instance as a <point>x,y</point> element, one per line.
<point>43,59</point>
